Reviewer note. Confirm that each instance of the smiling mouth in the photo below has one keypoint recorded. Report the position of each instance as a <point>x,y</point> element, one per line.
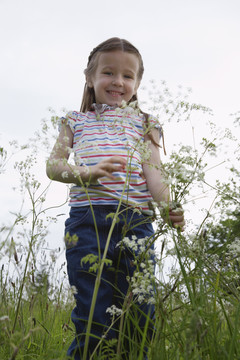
<point>115,93</point>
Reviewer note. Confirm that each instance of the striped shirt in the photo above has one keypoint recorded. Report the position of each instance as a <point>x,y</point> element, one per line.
<point>104,132</point>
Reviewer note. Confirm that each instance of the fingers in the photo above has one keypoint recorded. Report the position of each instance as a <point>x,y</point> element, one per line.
<point>115,160</point>
<point>176,218</point>
<point>108,166</point>
<point>113,164</point>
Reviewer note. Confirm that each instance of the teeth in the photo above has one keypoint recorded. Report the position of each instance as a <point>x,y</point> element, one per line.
<point>115,93</point>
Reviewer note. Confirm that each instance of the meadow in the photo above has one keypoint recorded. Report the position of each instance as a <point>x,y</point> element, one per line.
<point>195,288</point>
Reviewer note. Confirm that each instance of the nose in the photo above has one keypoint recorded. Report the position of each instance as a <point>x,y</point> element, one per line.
<point>117,80</point>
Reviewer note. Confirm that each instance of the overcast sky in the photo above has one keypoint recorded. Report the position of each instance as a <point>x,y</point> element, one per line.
<point>44,47</point>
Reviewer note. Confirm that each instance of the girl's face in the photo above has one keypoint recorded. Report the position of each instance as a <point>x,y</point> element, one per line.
<point>115,78</point>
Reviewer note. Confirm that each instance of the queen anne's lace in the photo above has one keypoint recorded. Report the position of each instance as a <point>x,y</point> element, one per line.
<point>141,283</point>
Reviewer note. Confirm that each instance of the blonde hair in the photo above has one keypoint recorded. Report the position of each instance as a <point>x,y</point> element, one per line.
<point>112,44</point>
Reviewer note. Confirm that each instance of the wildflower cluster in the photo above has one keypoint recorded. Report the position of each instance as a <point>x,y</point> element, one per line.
<point>129,109</point>
<point>145,151</point>
<point>114,311</point>
<point>234,248</point>
<point>199,300</point>
<point>184,170</point>
<point>170,105</point>
<point>142,282</point>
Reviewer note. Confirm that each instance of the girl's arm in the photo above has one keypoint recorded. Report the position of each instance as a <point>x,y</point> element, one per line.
<point>152,173</point>
<point>59,169</point>
<point>155,180</point>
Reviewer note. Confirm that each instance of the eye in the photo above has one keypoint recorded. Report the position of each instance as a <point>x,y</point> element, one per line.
<point>128,76</point>
<point>108,73</point>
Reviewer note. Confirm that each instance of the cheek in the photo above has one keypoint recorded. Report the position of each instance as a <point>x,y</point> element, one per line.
<point>100,85</point>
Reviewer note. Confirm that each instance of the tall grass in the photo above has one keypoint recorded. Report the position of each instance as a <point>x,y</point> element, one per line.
<point>197,303</point>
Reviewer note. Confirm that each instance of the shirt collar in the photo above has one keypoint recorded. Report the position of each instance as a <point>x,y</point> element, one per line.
<point>100,108</point>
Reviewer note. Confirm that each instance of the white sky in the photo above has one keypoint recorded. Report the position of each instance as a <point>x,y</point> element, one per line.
<point>44,47</point>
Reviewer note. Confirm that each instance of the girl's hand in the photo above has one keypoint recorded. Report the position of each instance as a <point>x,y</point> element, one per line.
<point>106,168</point>
<point>176,218</point>
<point>173,215</point>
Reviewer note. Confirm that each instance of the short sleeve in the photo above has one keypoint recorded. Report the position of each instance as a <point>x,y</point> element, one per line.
<point>70,119</point>
<point>153,123</point>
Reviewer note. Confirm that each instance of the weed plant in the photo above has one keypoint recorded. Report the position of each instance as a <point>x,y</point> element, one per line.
<point>195,288</point>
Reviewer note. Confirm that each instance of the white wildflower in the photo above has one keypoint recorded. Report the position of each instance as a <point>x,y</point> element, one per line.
<point>64,174</point>
<point>52,162</point>
<point>141,283</point>
<point>135,244</point>
<point>234,247</point>
<point>74,289</point>
<point>58,145</point>
<point>66,139</point>
<point>141,241</point>
<point>134,104</point>
<point>168,181</point>
<point>4,318</point>
<point>131,108</point>
<point>140,298</point>
<point>76,173</point>
<point>114,311</point>
<point>163,204</point>
<point>86,169</point>
<point>123,104</point>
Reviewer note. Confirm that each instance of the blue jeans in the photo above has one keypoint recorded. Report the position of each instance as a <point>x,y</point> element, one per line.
<point>114,285</point>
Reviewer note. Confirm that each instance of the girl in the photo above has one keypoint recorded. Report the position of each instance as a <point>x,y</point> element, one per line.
<point>116,175</point>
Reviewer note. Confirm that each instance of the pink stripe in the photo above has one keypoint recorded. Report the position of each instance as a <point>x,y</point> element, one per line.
<point>109,155</point>
<point>122,182</point>
<point>105,132</point>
